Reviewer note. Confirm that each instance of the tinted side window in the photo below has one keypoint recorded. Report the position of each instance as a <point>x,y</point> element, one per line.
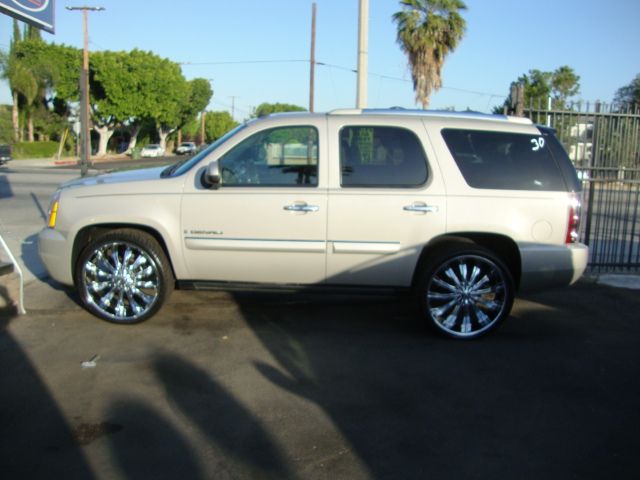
<point>562,159</point>
<point>278,157</point>
<point>381,157</point>
<point>502,160</point>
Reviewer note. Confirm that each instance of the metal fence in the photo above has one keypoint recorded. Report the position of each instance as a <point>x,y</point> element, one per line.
<point>603,141</point>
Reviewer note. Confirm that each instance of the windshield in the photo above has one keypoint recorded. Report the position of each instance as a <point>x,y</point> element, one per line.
<point>186,164</point>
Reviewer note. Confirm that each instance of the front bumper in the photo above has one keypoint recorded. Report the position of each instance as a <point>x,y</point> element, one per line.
<point>55,253</point>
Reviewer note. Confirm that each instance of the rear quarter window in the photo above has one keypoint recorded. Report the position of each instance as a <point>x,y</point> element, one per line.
<point>504,160</point>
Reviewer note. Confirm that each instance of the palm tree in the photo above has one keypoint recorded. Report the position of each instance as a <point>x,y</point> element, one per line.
<point>24,83</point>
<point>427,31</point>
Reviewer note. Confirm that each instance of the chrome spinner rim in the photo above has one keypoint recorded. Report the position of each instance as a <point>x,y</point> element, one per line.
<point>121,281</point>
<point>467,295</point>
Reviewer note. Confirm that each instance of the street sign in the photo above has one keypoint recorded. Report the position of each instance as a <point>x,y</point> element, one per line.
<point>38,13</point>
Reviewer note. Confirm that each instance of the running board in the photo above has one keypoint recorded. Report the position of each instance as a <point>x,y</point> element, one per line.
<point>290,288</point>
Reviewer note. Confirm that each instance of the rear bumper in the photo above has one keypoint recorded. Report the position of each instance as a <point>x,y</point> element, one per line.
<point>546,266</point>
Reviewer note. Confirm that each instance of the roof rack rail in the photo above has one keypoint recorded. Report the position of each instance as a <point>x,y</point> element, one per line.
<point>431,113</point>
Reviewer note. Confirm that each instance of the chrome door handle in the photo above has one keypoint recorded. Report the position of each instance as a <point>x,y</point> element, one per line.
<point>301,207</point>
<point>421,208</point>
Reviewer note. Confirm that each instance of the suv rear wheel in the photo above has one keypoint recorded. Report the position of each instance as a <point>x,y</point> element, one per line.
<point>465,291</point>
<point>123,276</point>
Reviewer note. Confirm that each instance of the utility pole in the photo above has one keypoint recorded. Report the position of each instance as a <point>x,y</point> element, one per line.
<point>233,106</point>
<point>312,67</point>
<point>363,53</point>
<point>85,137</point>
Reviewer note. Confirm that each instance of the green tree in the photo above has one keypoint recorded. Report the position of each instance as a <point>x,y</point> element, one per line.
<point>200,94</point>
<point>38,69</point>
<point>129,88</point>
<point>5,125</point>
<point>41,76</point>
<point>54,70</point>
<point>190,131</point>
<point>265,109</point>
<point>20,78</point>
<point>171,93</point>
<point>537,87</point>
<point>142,94</point>
<point>564,85</point>
<point>428,30</point>
<point>217,124</point>
<point>559,85</point>
<point>110,86</point>
<point>629,95</point>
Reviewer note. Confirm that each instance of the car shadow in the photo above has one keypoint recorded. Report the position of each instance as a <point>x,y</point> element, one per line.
<point>5,185</point>
<point>413,405</point>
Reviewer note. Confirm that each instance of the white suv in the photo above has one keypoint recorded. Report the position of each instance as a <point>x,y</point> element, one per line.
<point>463,209</point>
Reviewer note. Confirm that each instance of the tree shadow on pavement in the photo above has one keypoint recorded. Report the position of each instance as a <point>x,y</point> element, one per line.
<point>221,418</point>
<point>151,446</point>
<point>35,441</point>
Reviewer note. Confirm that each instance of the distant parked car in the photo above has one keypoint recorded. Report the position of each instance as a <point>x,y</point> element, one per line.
<point>152,150</point>
<point>186,148</point>
<point>5,154</point>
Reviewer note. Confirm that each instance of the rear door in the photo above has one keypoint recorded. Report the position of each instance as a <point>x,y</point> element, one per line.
<point>386,200</point>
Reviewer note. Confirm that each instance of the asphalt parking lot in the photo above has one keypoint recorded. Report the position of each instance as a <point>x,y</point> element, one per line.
<point>250,386</point>
<point>278,386</point>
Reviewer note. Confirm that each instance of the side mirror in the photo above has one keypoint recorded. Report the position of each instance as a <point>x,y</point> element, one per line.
<point>211,176</point>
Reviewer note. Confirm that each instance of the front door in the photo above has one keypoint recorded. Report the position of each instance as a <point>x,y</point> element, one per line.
<point>267,221</point>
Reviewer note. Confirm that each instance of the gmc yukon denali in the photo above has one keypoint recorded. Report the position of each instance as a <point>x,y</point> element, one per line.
<point>462,210</point>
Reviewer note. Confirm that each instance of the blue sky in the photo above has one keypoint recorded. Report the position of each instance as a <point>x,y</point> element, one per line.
<point>504,39</point>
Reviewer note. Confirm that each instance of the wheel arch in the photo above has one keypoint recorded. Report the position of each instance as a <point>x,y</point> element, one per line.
<point>90,232</point>
<point>505,248</point>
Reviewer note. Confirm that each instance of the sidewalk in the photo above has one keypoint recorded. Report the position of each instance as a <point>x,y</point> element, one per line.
<point>628,281</point>
<point>64,162</point>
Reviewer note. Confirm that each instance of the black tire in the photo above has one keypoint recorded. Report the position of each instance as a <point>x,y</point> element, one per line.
<point>123,276</point>
<point>464,291</point>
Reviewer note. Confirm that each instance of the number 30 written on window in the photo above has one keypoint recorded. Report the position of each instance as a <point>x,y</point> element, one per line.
<point>538,143</point>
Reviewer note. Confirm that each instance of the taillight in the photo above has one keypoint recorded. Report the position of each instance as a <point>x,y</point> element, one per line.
<point>573,224</point>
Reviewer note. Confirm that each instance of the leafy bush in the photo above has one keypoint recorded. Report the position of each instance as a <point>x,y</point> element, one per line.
<point>34,150</point>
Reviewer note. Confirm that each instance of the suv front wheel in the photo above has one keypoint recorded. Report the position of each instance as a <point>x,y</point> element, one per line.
<point>123,276</point>
<point>465,291</point>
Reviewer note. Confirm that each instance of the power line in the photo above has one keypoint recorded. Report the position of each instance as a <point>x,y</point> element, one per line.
<point>389,77</point>
<point>343,68</point>
<point>241,62</point>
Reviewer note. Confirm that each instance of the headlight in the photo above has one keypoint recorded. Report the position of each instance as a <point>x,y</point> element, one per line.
<point>52,214</point>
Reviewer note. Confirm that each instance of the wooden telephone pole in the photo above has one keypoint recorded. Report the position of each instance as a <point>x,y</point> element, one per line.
<point>85,135</point>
